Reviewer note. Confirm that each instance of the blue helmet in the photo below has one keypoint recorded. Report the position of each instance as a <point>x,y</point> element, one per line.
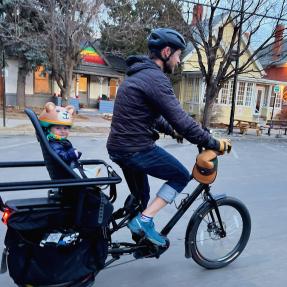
<point>163,37</point>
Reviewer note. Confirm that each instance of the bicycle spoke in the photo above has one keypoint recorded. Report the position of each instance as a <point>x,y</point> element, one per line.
<point>210,242</point>
<point>215,242</point>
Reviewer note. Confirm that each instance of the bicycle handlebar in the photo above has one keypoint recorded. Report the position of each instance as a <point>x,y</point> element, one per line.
<point>199,147</point>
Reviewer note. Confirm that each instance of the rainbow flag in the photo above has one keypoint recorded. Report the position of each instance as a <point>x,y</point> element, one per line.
<point>90,55</point>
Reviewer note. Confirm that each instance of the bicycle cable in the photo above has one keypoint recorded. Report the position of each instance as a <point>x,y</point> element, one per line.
<point>177,206</point>
<point>108,267</point>
<point>123,263</point>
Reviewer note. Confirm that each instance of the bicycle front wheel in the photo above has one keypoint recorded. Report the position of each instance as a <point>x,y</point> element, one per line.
<point>211,246</point>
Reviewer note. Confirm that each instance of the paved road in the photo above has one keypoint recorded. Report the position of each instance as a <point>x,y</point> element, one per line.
<point>255,172</point>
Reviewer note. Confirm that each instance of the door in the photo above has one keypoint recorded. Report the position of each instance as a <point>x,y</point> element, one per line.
<point>84,90</point>
<point>113,88</point>
<point>259,100</point>
<point>42,83</point>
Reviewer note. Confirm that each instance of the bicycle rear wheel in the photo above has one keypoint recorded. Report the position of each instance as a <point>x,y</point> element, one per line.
<point>209,245</point>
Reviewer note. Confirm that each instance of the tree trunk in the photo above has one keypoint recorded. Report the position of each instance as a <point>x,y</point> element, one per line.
<point>21,83</point>
<point>210,96</point>
<point>67,85</point>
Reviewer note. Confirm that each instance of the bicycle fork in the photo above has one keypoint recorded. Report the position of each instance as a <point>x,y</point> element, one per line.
<point>212,201</point>
<point>216,220</point>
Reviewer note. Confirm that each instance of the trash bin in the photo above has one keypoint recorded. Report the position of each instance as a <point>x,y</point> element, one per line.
<point>106,107</point>
<point>57,100</point>
<point>75,103</point>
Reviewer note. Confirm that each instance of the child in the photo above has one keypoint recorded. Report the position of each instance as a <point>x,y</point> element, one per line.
<point>56,122</point>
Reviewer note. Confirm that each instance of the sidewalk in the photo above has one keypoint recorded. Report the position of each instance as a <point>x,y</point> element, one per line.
<point>87,122</point>
<point>90,122</point>
<point>276,135</point>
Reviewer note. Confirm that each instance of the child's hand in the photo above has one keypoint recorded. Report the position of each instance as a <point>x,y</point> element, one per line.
<point>77,153</point>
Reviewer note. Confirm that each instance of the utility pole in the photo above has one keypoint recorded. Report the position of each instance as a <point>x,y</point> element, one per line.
<point>3,85</point>
<point>235,78</point>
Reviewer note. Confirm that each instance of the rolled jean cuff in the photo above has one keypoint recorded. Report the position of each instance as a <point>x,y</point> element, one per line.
<point>167,193</point>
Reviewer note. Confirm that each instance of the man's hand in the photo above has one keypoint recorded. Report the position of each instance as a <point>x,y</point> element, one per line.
<point>177,136</point>
<point>224,145</point>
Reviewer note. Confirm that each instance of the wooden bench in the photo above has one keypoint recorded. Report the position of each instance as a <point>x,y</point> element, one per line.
<point>277,125</point>
<point>244,125</point>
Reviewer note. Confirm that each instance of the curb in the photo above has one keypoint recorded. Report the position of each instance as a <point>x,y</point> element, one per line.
<point>11,132</point>
<point>103,132</point>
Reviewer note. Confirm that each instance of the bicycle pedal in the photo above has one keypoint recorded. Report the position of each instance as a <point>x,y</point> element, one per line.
<point>158,250</point>
<point>138,237</point>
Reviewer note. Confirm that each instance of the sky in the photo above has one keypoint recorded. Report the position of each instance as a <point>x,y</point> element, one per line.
<point>267,7</point>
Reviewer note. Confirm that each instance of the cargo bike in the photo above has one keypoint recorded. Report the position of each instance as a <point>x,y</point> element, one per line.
<point>66,238</point>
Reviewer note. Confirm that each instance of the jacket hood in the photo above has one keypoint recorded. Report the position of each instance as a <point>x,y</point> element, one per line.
<point>137,63</point>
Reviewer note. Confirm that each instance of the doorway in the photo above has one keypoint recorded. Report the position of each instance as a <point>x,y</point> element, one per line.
<point>84,90</point>
<point>259,100</point>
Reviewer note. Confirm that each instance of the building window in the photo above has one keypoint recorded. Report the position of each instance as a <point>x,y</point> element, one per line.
<point>278,100</point>
<point>230,93</point>
<point>42,82</point>
<point>191,94</point>
<point>188,90</point>
<point>240,94</point>
<point>249,94</point>
<point>265,100</point>
<point>195,98</point>
<point>224,93</point>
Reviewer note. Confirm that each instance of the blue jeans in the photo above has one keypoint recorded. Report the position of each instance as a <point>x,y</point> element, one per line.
<point>155,162</point>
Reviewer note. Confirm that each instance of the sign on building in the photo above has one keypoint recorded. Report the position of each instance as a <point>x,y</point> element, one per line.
<point>276,89</point>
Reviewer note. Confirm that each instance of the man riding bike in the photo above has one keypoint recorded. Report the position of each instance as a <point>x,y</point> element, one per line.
<point>146,103</point>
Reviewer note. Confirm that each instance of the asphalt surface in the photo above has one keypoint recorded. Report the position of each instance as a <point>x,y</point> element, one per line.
<point>255,172</point>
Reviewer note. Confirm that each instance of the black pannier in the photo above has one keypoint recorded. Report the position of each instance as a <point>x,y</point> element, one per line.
<point>29,263</point>
<point>32,260</point>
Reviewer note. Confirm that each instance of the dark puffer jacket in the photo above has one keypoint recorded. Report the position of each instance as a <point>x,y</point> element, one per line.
<point>146,100</point>
<point>66,151</point>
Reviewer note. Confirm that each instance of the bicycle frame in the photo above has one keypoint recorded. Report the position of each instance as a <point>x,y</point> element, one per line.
<point>122,248</point>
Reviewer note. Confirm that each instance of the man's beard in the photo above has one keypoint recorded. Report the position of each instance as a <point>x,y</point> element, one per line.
<point>167,68</point>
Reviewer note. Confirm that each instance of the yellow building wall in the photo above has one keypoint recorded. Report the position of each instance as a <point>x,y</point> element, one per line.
<point>192,63</point>
<point>222,112</point>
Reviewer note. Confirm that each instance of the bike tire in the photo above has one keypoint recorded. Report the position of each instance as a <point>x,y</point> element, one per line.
<point>200,227</point>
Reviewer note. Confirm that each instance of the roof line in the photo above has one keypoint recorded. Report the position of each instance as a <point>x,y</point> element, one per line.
<point>250,50</point>
<point>100,53</point>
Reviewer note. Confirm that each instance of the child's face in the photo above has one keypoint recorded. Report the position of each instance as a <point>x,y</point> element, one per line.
<point>62,131</point>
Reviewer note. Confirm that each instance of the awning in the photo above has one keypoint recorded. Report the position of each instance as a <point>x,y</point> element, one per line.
<point>102,71</point>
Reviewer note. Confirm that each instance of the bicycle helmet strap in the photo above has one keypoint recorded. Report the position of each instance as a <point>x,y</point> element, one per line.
<point>164,60</point>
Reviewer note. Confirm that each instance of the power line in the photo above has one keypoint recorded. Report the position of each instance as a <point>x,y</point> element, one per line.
<point>232,10</point>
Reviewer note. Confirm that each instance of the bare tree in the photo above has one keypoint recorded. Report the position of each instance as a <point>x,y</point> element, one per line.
<point>69,26</point>
<point>18,31</point>
<point>258,18</point>
<point>55,30</point>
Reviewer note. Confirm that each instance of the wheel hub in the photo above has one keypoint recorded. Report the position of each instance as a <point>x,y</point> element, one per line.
<point>214,230</point>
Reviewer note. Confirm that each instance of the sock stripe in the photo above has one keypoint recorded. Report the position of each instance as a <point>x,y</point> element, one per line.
<point>145,218</point>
